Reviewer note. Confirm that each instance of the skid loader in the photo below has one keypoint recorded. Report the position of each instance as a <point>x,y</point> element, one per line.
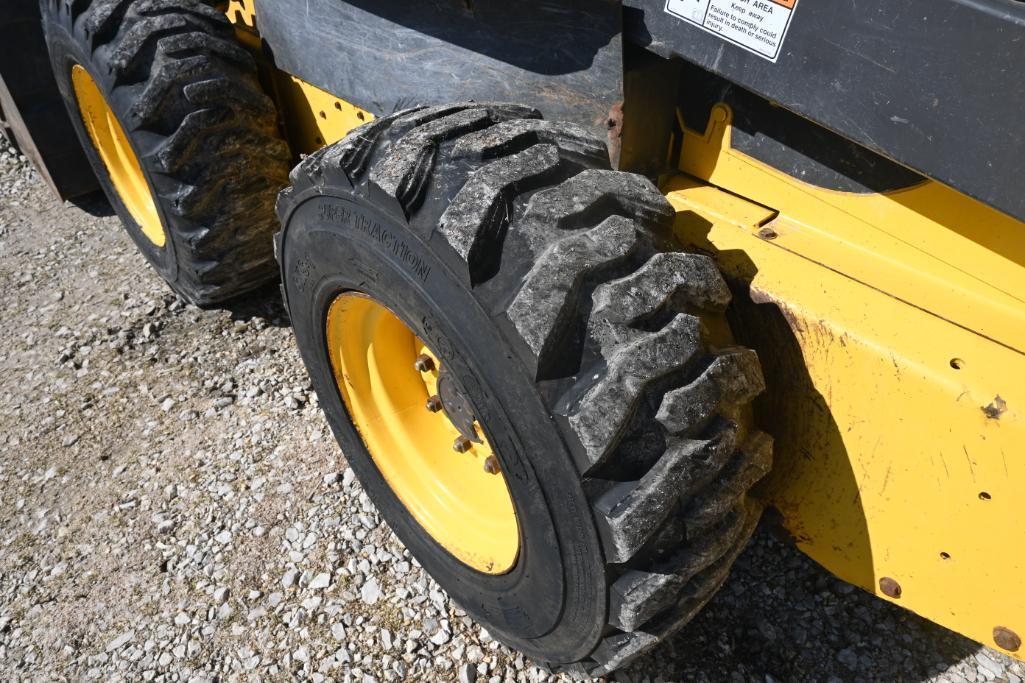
<point>585,286</point>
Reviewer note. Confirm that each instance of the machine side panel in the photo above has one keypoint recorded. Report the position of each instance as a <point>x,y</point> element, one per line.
<point>933,84</point>
<point>565,59</point>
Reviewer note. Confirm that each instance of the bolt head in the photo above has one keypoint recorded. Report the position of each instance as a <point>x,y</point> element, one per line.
<point>491,465</point>
<point>890,587</point>
<point>461,445</point>
<point>423,363</point>
<point>1006,638</point>
<point>434,404</point>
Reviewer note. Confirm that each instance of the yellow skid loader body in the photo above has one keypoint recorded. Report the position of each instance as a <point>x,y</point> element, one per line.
<point>892,332</point>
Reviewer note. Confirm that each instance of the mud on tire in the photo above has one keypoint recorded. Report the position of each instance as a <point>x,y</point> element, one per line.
<point>567,272</point>
<point>187,95</point>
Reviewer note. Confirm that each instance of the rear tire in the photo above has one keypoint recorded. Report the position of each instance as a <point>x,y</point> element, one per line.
<point>205,135</point>
<point>593,349</point>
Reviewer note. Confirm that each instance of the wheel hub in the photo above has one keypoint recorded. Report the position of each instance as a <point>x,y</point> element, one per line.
<point>421,433</point>
<point>457,409</point>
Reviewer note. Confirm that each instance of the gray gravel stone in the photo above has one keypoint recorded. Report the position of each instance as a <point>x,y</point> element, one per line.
<point>467,673</point>
<point>370,593</point>
<point>321,580</point>
<point>120,641</point>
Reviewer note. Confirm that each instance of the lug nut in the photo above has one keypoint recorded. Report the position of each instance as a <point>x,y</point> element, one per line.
<point>461,445</point>
<point>424,363</point>
<point>434,404</point>
<point>491,465</point>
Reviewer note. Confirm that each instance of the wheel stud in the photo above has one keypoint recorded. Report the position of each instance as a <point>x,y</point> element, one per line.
<point>491,465</point>
<point>434,404</point>
<point>424,363</point>
<point>461,445</point>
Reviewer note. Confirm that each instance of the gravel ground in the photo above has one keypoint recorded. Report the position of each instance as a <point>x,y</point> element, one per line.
<point>174,508</point>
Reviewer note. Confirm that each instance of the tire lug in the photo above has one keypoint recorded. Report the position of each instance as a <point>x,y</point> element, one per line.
<point>434,404</point>
<point>424,363</point>
<point>461,445</point>
<point>491,465</point>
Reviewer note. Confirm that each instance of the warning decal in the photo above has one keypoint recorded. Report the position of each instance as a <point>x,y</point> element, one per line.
<point>758,26</point>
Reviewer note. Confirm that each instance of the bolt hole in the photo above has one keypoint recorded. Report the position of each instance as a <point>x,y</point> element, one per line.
<point>944,556</point>
<point>984,496</point>
<point>956,363</point>
<point>359,115</point>
<point>323,115</point>
<point>338,106</point>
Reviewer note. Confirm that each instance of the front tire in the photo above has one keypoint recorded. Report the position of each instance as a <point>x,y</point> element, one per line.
<point>592,350</point>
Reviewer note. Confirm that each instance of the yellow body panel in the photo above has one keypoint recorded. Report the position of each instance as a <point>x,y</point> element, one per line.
<point>312,118</point>
<point>891,328</point>
<point>118,157</point>
<point>463,506</point>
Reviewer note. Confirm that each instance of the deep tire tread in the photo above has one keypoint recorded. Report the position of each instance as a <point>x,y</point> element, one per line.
<point>609,318</point>
<point>220,159</point>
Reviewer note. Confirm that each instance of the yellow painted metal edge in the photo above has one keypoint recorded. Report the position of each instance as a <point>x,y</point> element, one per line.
<point>928,245</point>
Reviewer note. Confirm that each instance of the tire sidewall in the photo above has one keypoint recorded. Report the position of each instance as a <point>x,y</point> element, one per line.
<point>339,242</point>
<point>66,49</point>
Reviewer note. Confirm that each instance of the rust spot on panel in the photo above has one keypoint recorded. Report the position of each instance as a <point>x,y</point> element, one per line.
<point>1006,638</point>
<point>774,522</point>
<point>890,587</point>
<point>995,409</point>
<point>614,124</point>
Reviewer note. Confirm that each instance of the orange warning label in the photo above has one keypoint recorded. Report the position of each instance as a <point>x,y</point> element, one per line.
<point>758,26</point>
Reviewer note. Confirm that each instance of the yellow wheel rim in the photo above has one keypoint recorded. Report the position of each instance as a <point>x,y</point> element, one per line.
<point>112,145</point>
<point>453,495</point>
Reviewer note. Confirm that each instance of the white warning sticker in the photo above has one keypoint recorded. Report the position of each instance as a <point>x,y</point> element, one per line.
<point>758,26</point>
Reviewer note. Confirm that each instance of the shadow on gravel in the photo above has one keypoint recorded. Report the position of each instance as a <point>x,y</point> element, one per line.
<point>95,204</point>
<point>782,616</point>
<point>263,304</point>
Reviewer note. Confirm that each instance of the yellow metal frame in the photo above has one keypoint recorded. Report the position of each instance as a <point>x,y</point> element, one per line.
<point>463,506</point>
<point>116,153</point>
<point>312,118</point>
<point>892,328</point>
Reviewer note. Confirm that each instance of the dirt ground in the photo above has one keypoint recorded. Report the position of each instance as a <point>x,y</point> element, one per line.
<point>174,508</point>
